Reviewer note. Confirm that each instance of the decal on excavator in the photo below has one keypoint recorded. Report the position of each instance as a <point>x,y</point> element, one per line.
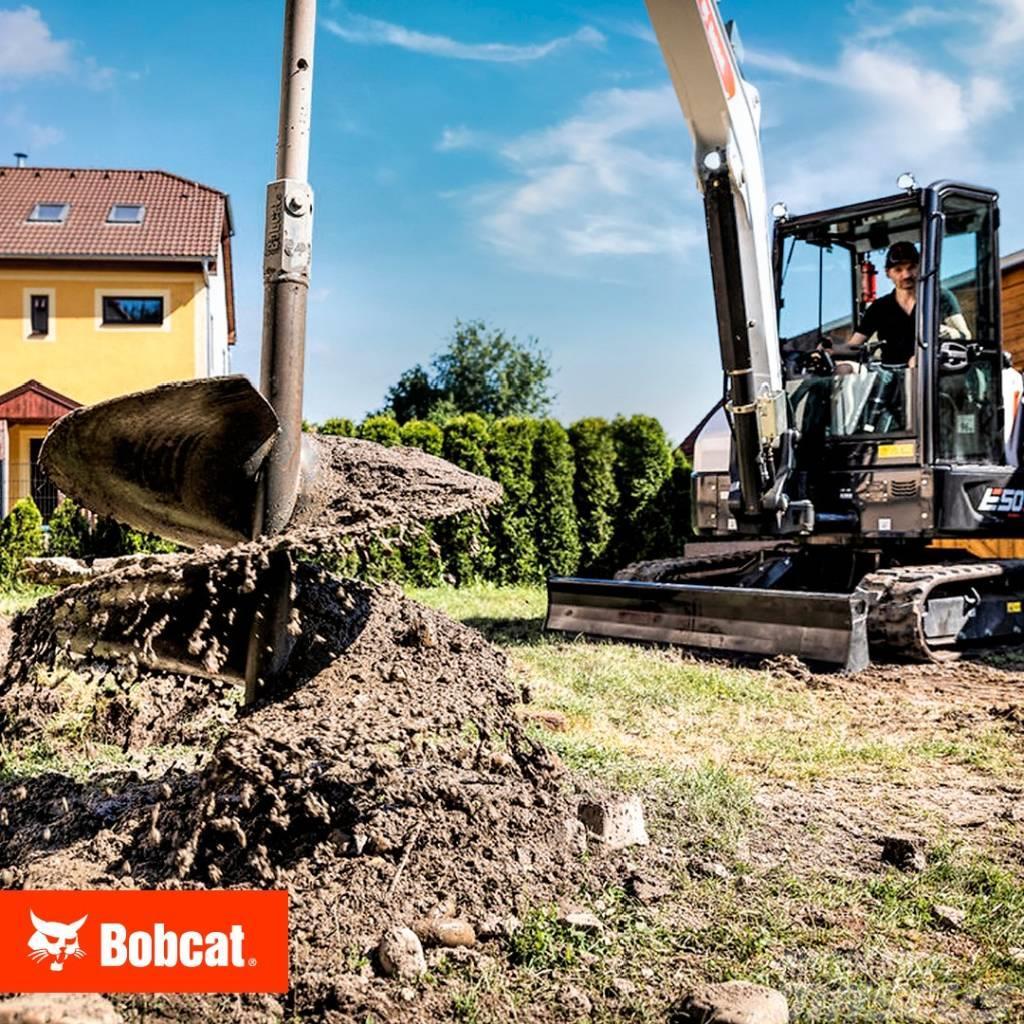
<point>718,45</point>
<point>1002,499</point>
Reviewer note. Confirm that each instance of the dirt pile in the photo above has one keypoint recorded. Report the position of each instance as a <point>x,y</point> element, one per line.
<point>388,777</point>
<point>391,777</point>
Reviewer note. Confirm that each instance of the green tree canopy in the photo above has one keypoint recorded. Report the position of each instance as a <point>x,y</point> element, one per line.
<point>483,370</point>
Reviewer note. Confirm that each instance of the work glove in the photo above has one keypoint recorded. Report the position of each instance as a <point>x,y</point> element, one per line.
<point>946,332</point>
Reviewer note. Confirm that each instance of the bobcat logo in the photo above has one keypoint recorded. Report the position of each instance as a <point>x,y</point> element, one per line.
<point>55,940</point>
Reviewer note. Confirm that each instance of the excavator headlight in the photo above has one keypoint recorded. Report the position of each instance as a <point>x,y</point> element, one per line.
<point>906,181</point>
<point>780,211</point>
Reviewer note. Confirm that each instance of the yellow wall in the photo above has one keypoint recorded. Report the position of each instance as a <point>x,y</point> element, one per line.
<point>88,362</point>
<point>19,470</point>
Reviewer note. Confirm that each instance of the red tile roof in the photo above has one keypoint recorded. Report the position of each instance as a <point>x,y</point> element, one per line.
<point>183,219</point>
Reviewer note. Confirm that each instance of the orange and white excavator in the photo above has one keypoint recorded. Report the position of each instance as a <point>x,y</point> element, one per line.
<point>836,461</point>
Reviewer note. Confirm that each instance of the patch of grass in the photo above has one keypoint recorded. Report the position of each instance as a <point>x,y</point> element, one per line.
<point>544,943</point>
<point>17,599</point>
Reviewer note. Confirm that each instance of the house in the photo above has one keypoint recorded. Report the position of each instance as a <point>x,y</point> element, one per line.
<point>111,281</point>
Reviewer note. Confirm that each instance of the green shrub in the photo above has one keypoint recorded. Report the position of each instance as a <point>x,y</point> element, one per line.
<point>337,426</point>
<point>673,504</point>
<point>421,555</point>
<point>381,429</point>
<point>422,434</point>
<point>510,455</point>
<point>466,549</point>
<point>21,537</point>
<point>643,465</point>
<point>556,530</point>
<point>595,495</point>
<point>68,531</point>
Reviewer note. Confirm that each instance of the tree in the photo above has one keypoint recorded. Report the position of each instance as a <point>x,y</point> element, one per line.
<point>466,548</point>
<point>21,537</point>
<point>510,455</point>
<point>483,370</point>
<point>643,465</point>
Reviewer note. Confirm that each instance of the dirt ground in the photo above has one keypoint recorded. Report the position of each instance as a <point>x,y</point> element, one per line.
<point>388,777</point>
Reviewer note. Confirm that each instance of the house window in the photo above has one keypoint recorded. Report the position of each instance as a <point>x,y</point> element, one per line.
<point>40,310</point>
<point>126,213</point>
<point>125,310</point>
<point>49,213</point>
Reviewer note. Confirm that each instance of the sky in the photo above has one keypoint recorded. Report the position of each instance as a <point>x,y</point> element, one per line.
<point>516,161</point>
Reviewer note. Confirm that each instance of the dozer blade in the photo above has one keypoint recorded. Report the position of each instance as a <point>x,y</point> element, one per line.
<point>180,460</point>
<point>821,627</point>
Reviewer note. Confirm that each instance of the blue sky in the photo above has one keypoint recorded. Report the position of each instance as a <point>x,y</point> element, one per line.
<point>520,162</point>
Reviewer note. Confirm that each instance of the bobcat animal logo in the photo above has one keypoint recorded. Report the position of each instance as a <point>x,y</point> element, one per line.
<point>55,941</point>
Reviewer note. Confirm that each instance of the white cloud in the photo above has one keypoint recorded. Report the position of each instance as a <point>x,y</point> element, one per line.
<point>27,48</point>
<point>459,137</point>
<point>28,133</point>
<point>358,28</point>
<point>606,183</point>
<point>784,65</point>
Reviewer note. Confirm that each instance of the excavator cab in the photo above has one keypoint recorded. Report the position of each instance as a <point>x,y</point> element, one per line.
<point>892,442</point>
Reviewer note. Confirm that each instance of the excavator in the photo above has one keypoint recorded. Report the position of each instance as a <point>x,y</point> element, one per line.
<point>830,469</point>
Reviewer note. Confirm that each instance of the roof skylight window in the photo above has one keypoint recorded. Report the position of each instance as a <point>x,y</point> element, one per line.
<point>49,213</point>
<point>126,213</point>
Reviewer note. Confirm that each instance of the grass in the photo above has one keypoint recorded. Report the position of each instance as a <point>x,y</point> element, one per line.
<point>21,597</point>
<point>706,743</point>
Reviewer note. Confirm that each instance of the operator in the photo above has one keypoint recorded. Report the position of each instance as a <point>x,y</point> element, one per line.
<point>893,318</point>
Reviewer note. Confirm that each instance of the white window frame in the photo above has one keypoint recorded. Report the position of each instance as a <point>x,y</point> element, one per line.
<point>131,293</point>
<point>26,314</point>
<point>137,206</point>
<point>33,219</point>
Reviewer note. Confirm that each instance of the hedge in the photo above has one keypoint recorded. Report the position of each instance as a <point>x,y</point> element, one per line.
<point>595,492</point>
<point>466,548</point>
<point>421,556</point>
<point>556,529</point>
<point>510,457</point>
<point>21,537</point>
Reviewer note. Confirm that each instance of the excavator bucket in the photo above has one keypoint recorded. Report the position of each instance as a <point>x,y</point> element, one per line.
<point>180,460</point>
<point>819,627</point>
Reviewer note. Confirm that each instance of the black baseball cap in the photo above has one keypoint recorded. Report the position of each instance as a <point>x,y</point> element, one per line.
<point>901,252</point>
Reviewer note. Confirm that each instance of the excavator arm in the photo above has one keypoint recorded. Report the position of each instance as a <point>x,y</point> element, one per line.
<point>723,114</point>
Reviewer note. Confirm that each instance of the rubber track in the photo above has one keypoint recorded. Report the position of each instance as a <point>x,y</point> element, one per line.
<point>897,599</point>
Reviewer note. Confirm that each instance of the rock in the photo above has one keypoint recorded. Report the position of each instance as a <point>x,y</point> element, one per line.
<point>702,868</point>
<point>550,719</point>
<point>951,918</point>
<point>1016,954</point>
<point>401,954</point>
<point>498,927</point>
<point>622,987</point>
<point>582,920</point>
<point>58,1009</point>
<point>576,1002</point>
<point>617,822</point>
<point>732,1002</point>
<point>576,836</point>
<point>647,889</point>
<point>444,931</point>
<point>904,853</point>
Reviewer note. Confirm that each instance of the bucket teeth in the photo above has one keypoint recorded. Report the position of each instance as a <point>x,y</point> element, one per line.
<point>180,460</point>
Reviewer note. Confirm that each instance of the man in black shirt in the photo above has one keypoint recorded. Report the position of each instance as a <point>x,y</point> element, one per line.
<point>894,316</point>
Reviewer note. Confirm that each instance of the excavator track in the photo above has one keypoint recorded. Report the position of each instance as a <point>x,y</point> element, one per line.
<point>935,612</point>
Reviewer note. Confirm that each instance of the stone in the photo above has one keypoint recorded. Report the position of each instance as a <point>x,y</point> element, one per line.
<point>904,853</point>
<point>732,1002</point>
<point>58,1009</point>
<point>555,721</point>
<point>401,955</point>
<point>702,868</point>
<point>444,931</point>
<point>576,836</point>
<point>498,927</point>
<point>622,987</point>
<point>647,889</point>
<point>582,920</point>
<point>951,918</point>
<point>576,1002</point>
<point>617,822</point>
